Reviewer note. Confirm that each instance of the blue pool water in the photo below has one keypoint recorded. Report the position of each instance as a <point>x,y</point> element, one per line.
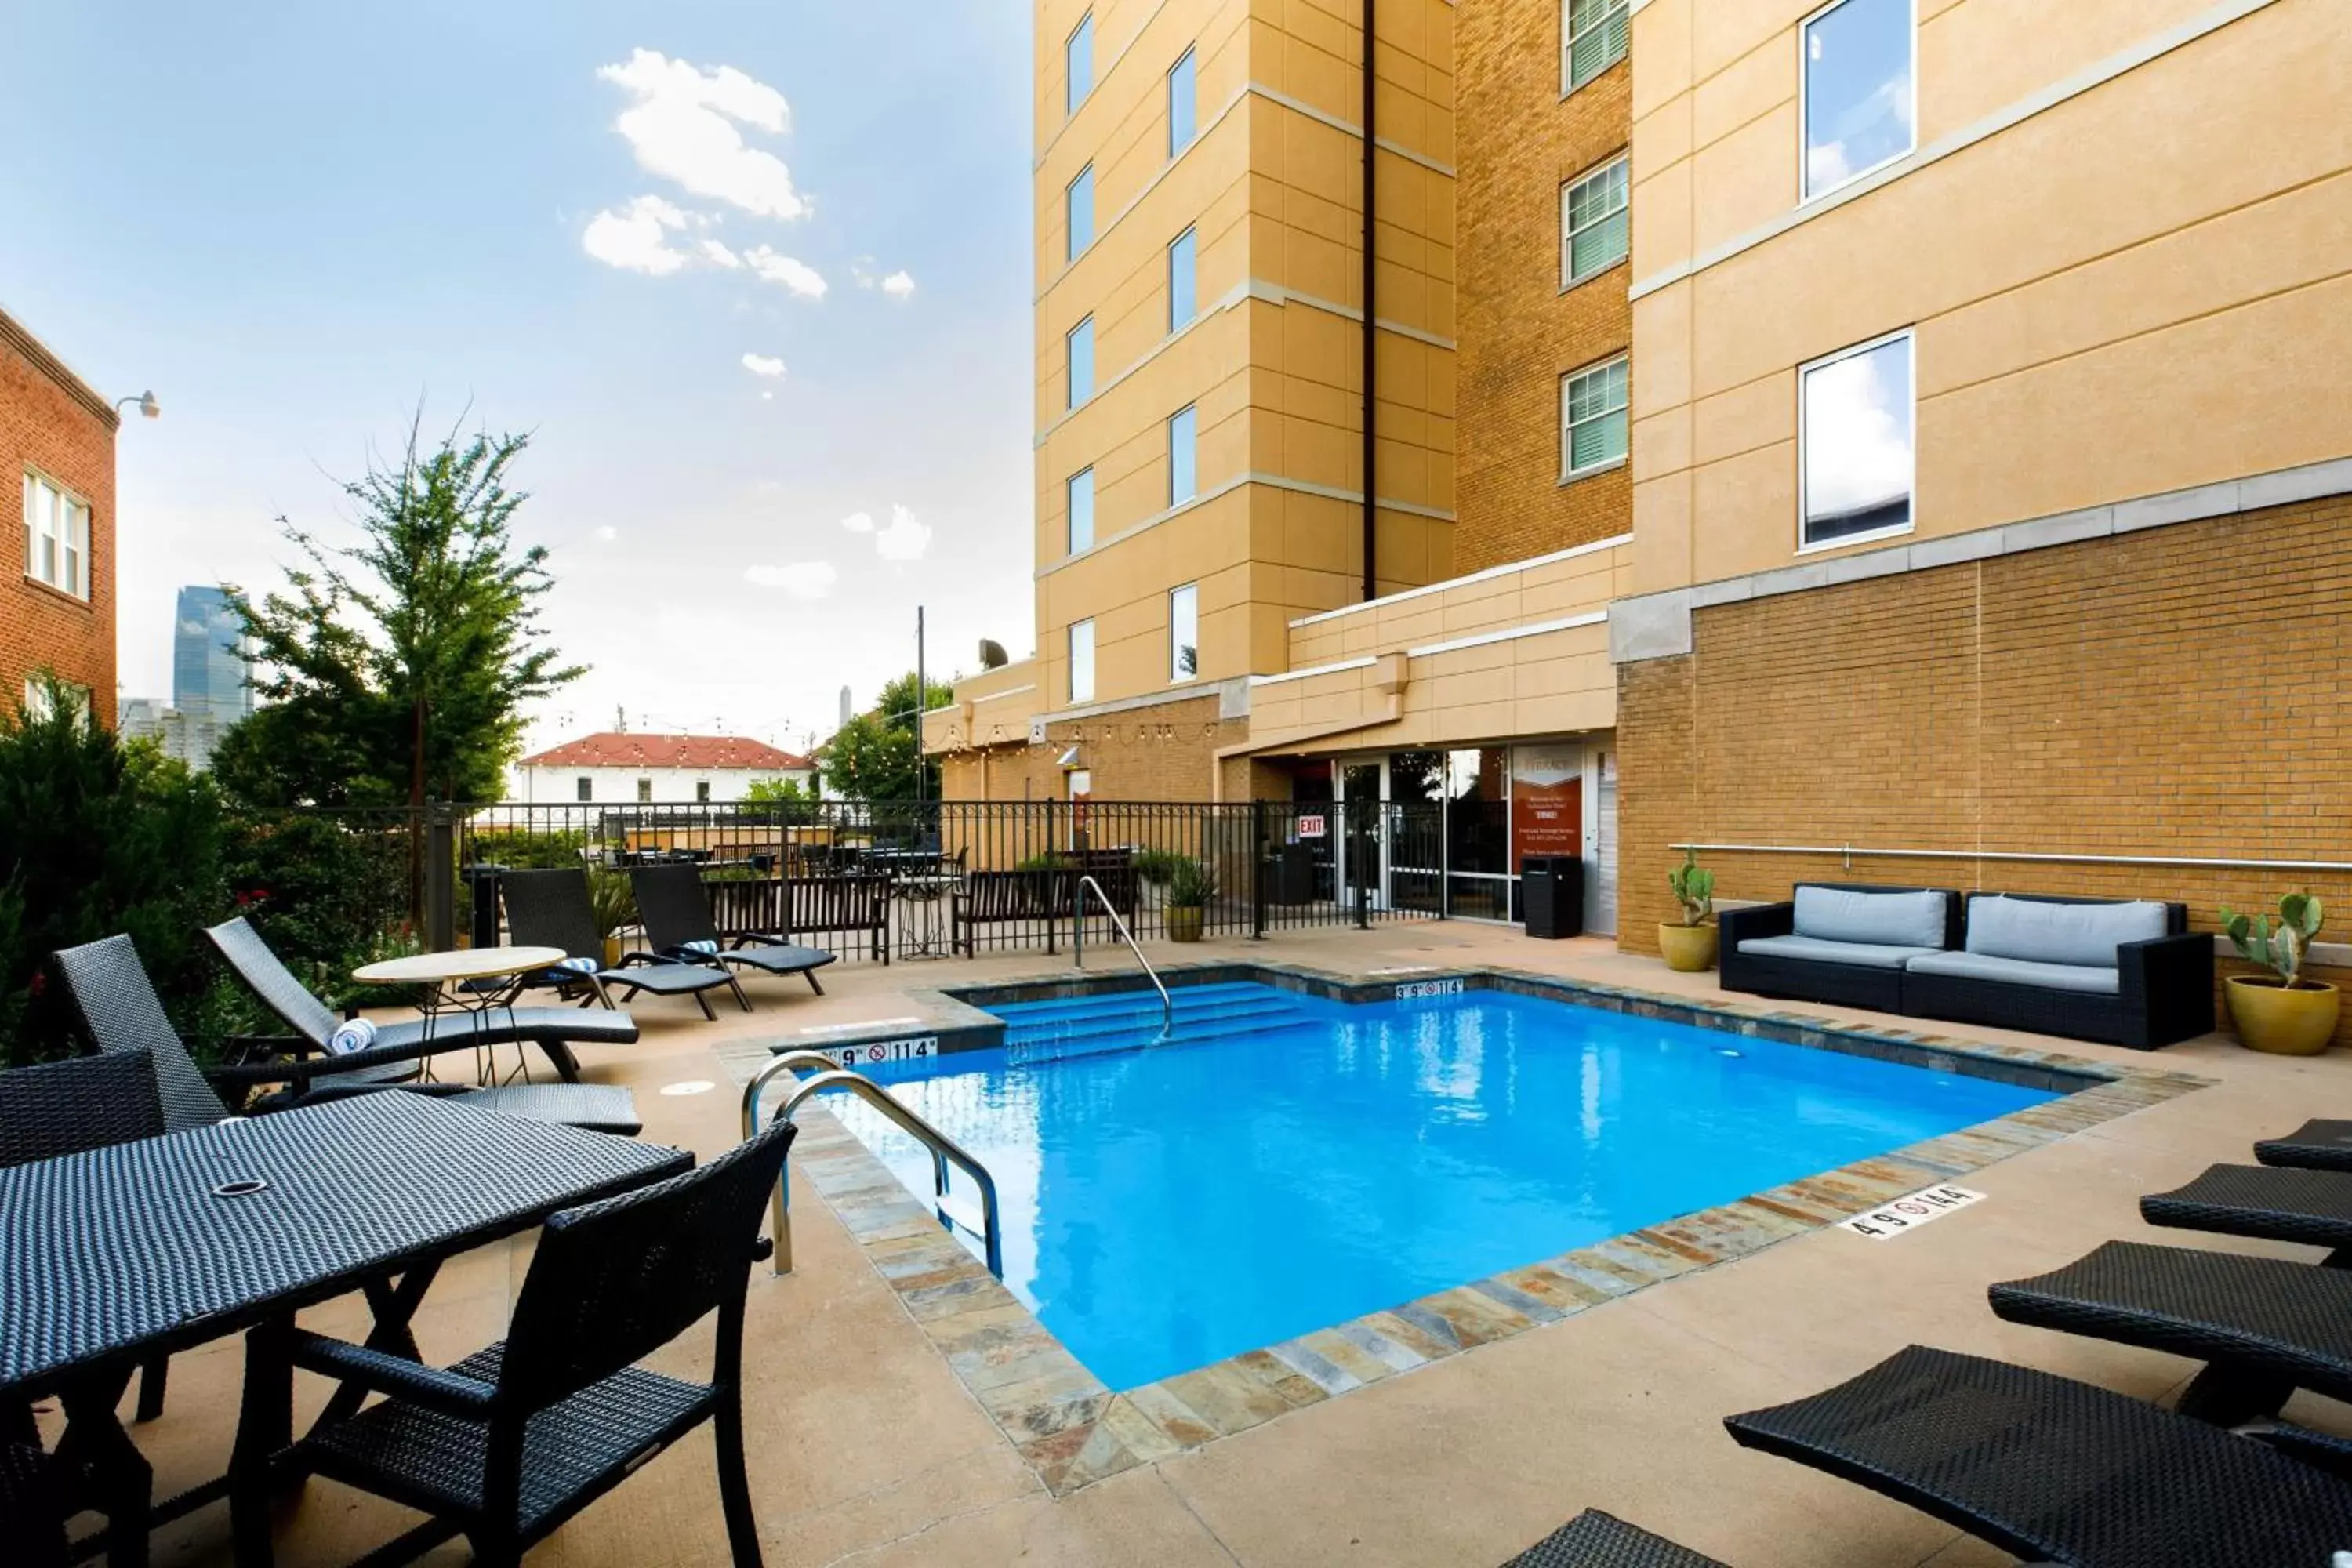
<point>1285,1163</point>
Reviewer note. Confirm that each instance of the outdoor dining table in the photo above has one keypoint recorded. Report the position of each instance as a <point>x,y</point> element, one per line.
<point>443,979</point>
<point>115,1255</point>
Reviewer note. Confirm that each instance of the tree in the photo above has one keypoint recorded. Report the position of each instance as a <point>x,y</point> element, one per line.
<point>773,792</point>
<point>398,667</point>
<point>872,757</point>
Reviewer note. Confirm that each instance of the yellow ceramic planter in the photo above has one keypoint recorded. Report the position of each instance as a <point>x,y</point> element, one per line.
<point>1184,922</point>
<point>1688,949</point>
<point>2284,1023</point>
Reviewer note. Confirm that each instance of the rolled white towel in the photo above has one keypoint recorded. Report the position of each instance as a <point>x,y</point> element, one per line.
<point>580,966</point>
<point>352,1035</point>
<point>701,945</point>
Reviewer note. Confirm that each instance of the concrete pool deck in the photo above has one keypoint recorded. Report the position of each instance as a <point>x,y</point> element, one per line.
<point>866,1447</point>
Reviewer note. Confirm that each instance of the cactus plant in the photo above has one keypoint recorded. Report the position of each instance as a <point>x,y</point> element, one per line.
<point>2281,948</point>
<point>1694,889</point>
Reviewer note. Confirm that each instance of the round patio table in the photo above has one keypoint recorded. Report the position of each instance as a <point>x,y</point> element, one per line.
<point>441,979</point>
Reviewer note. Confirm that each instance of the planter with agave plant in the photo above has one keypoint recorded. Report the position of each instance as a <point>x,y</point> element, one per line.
<point>1191,885</point>
<point>2284,1013</point>
<point>614,903</point>
<point>1689,943</point>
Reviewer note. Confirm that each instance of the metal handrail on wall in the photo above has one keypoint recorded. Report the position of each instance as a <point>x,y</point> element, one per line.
<point>831,1076</point>
<point>1847,852</point>
<point>1078,948</point>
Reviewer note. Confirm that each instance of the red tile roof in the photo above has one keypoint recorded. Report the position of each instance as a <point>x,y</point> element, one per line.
<point>614,748</point>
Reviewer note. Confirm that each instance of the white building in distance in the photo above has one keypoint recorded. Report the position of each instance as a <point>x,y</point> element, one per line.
<point>618,768</point>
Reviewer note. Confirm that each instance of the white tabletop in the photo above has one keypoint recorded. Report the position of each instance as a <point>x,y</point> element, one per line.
<point>464,963</point>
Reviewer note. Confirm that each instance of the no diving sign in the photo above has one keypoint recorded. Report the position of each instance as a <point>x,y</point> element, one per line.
<point>1910,1212</point>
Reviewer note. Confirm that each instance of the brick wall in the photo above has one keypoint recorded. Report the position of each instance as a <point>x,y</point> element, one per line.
<point>1518,331</point>
<point>2176,691</point>
<point>50,421</point>
<point>1161,753</point>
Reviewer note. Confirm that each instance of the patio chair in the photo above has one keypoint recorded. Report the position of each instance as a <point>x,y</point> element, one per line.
<point>2311,1207</point>
<point>550,908</point>
<point>679,926</point>
<point>508,1443</point>
<point>120,1013</point>
<point>1597,1539</point>
<point>555,1030</point>
<point>2050,1469</point>
<point>2262,1326</point>
<point>37,1496</point>
<point>2314,1146</point>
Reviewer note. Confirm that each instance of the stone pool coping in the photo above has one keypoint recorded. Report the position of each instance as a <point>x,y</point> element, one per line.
<point>1074,1430</point>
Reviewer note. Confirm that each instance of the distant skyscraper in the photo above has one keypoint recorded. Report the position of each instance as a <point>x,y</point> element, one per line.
<point>208,662</point>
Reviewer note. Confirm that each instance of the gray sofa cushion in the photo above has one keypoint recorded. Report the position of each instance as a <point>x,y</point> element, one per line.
<point>1892,919</point>
<point>2091,977</point>
<point>2037,932</point>
<point>1870,956</point>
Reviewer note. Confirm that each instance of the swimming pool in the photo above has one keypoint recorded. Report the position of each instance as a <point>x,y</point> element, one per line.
<point>1288,1162</point>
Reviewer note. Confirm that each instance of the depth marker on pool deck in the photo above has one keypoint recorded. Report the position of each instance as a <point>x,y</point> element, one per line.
<point>1909,1212</point>
<point>860,1024</point>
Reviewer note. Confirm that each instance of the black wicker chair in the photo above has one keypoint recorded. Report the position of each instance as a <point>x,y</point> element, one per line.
<point>37,1496</point>
<point>550,908</point>
<point>2050,1469</point>
<point>1597,1539</point>
<point>2311,1207</point>
<point>679,926</point>
<point>2314,1146</point>
<point>120,1012</point>
<point>507,1445</point>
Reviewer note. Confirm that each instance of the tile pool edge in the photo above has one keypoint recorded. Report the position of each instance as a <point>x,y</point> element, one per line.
<point>1073,1429</point>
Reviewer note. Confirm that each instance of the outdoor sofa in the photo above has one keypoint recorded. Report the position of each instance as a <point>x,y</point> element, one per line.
<point>2125,971</point>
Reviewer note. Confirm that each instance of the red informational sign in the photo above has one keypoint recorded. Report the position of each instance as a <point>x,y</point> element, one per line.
<point>1547,802</point>
<point>1311,827</point>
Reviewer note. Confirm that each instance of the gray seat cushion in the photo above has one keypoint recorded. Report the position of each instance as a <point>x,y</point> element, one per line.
<point>2040,932</point>
<point>1870,956</point>
<point>1888,919</point>
<point>2089,977</point>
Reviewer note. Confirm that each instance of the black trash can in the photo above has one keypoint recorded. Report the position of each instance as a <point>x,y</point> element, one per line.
<point>1291,874</point>
<point>482,894</point>
<point>1552,892</point>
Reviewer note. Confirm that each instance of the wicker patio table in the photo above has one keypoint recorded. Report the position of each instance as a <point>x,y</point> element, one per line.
<point>111,1257</point>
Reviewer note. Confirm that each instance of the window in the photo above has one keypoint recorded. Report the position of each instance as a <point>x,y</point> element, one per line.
<point>1592,39</point>
<point>1184,109</point>
<point>1081,346</point>
<point>584,787</point>
<point>1184,632</point>
<point>1858,93</point>
<point>1855,442</point>
<point>1081,510</point>
<point>1592,223</point>
<point>1183,281</point>
<point>1079,65</point>
<point>1592,419</point>
<point>702,791</point>
<point>1081,206</point>
<point>1082,661</point>
<point>37,702</point>
<point>1183,465</point>
<point>645,792</point>
<point>57,536</point>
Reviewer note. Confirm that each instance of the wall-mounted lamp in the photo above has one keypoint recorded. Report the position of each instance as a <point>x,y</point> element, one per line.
<point>148,406</point>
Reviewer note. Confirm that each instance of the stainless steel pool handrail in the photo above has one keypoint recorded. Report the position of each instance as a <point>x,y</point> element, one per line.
<point>1079,950</point>
<point>831,1076</point>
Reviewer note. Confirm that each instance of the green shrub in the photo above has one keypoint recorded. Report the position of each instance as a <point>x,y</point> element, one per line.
<point>1157,868</point>
<point>1192,884</point>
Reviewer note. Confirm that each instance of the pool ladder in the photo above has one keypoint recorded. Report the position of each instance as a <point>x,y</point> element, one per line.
<point>833,1077</point>
<point>1078,949</point>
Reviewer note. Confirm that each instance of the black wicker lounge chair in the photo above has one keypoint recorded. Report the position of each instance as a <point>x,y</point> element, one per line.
<point>1597,1539</point>
<point>2314,1146</point>
<point>550,908</point>
<point>120,1012</point>
<point>2054,1470</point>
<point>679,926</point>
<point>514,1439</point>
<point>2262,1326</point>
<point>2313,1207</point>
<point>555,1030</point>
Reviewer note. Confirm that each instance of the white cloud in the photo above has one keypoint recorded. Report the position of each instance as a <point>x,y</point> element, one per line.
<point>636,239</point>
<point>859,522</point>
<point>801,579</point>
<point>898,284</point>
<point>718,255</point>
<point>682,124</point>
<point>771,265</point>
<point>767,365</point>
<point>905,538</point>
<point>608,533</point>
<point>1858,431</point>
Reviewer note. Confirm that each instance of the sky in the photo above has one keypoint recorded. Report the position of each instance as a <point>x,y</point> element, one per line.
<point>753,274</point>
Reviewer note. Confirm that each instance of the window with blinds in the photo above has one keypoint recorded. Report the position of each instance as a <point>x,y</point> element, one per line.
<point>1592,37</point>
<point>1593,421</point>
<point>1593,225</point>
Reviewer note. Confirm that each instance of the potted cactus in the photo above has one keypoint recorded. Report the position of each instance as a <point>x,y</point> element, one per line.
<point>2280,1012</point>
<point>1191,885</point>
<point>1689,943</point>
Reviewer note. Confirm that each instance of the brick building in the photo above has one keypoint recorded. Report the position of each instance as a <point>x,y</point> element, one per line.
<point>57,445</point>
